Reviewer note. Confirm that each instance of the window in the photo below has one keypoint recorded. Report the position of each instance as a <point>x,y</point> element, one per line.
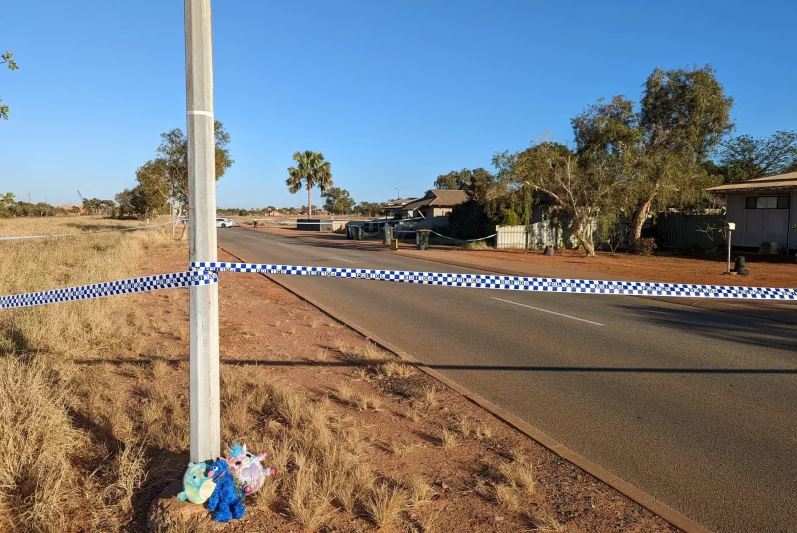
<point>767,202</point>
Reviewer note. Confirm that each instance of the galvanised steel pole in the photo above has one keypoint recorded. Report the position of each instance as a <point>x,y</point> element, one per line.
<point>204,300</point>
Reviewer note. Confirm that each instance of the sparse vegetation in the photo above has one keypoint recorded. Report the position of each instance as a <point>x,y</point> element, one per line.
<point>57,471</point>
<point>429,397</point>
<point>395,369</point>
<point>448,439</point>
<point>385,504</point>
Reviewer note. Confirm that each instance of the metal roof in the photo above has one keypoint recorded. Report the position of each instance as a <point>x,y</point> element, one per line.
<point>439,197</point>
<point>781,182</point>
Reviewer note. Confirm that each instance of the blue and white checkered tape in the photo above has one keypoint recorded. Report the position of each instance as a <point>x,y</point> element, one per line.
<point>516,283</point>
<point>205,273</point>
<point>110,288</point>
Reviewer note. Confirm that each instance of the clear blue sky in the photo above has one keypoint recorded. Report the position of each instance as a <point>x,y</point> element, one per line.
<point>393,93</point>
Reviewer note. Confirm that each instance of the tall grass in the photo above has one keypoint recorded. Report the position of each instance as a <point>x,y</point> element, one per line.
<point>57,472</point>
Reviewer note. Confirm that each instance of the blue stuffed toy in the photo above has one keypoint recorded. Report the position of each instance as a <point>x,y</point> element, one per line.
<point>224,503</point>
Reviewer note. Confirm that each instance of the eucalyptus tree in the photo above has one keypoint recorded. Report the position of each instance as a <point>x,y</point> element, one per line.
<point>7,59</point>
<point>173,157</point>
<point>682,117</point>
<point>311,170</point>
<point>578,184</point>
<point>746,157</point>
<point>684,114</point>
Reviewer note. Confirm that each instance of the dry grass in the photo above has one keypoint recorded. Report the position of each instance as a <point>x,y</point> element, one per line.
<point>420,490</point>
<point>59,470</point>
<point>483,431</point>
<point>428,523</point>
<point>429,397</point>
<point>464,426</point>
<point>508,497</point>
<point>399,447</point>
<point>518,474</point>
<point>318,456</point>
<point>448,439</point>
<point>385,504</point>
<point>546,523</point>
<point>514,484</point>
<point>393,369</point>
<point>412,413</point>
<point>359,400</point>
<point>366,352</point>
<point>39,488</point>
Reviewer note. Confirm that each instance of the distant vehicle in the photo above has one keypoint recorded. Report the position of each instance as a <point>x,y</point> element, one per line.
<point>224,222</point>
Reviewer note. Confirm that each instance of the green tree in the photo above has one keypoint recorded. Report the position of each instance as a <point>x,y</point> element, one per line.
<point>151,195</point>
<point>745,157</point>
<point>369,209</point>
<point>608,133</point>
<point>173,156</point>
<point>580,185</point>
<point>479,182</point>
<point>124,204</point>
<point>311,170</point>
<point>683,116</point>
<point>7,200</point>
<point>338,201</point>
<point>8,60</point>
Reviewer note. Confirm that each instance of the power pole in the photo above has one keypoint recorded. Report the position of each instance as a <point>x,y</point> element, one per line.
<point>204,299</point>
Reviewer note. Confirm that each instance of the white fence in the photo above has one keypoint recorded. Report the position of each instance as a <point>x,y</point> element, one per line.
<point>540,234</point>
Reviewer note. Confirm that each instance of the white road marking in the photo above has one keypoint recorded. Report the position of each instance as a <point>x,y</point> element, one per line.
<point>548,311</point>
<point>341,259</point>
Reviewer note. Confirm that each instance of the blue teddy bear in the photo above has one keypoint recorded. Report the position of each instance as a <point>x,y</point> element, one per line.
<point>224,503</point>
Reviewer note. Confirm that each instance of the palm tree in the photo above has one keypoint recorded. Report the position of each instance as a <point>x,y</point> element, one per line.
<point>311,170</point>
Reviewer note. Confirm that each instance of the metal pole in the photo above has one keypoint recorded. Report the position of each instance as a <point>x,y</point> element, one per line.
<point>729,232</point>
<point>204,300</point>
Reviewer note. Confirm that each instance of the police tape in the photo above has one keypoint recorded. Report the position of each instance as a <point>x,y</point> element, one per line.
<point>514,283</point>
<point>206,273</point>
<point>110,288</point>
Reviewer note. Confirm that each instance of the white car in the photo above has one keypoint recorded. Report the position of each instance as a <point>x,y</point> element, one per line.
<point>224,222</point>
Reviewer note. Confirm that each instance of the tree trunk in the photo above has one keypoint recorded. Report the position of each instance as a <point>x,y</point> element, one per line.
<point>309,204</point>
<point>583,233</point>
<point>638,219</point>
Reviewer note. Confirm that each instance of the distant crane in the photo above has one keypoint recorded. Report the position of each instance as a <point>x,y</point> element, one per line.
<point>82,206</point>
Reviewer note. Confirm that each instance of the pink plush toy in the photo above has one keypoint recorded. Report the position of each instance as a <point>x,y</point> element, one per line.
<point>247,469</point>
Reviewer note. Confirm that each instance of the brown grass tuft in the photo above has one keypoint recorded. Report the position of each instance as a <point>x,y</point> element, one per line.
<point>393,369</point>
<point>38,449</point>
<point>448,439</point>
<point>385,504</point>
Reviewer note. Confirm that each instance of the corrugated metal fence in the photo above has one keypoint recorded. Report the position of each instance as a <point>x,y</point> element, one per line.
<point>690,232</point>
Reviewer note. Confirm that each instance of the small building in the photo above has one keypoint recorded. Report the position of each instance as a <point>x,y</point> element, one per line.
<point>436,203</point>
<point>320,224</point>
<point>395,208</point>
<point>764,211</point>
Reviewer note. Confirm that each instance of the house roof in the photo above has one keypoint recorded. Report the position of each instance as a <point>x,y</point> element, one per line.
<point>399,202</point>
<point>439,198</point>
<point>781,182</point>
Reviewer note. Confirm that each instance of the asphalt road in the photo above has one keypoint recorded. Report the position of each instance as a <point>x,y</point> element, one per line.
<point>694,406</point>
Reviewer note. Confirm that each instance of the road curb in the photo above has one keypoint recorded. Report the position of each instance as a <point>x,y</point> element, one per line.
<point>632,492</point>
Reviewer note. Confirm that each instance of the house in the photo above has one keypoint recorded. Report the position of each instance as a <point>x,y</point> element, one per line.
<point>436,203</point>
<point>764,211</point>
<point>395,208</point>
